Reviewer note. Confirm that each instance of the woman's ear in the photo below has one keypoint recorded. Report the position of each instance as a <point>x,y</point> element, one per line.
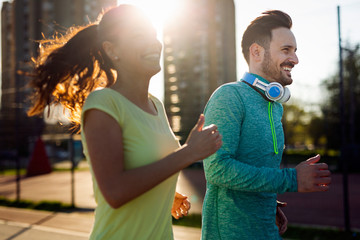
<point>109,50</point>
<point>256,52</point>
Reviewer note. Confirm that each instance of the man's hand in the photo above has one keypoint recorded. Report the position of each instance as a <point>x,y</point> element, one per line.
<point>281,220</point>
<point>313,176</point>
<point>180,206</point>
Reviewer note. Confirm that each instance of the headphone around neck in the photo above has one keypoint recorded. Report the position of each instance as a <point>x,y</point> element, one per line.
<point>274,91</point>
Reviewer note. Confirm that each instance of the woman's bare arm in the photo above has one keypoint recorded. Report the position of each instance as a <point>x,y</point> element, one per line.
<point>104,141</point>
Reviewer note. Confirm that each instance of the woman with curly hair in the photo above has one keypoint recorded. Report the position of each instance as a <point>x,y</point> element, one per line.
<point>101,74</point>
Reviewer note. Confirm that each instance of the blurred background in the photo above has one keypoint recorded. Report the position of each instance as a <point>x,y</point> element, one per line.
<point>201,50</point>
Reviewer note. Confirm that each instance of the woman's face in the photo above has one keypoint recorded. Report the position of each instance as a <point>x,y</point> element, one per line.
<point>137,48</point>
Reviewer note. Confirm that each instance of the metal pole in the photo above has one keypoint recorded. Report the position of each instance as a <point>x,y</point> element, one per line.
<point>17,133</point>
<point>72,159</point>
<point>352,97</point>
<point>343,139</point>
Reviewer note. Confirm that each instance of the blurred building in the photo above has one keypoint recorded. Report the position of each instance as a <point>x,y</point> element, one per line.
<point>23,22</point>
<point>199,56</point>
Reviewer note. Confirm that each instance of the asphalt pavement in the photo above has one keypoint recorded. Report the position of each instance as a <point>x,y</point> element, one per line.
<point>315,209</point>
<point>25,224</point>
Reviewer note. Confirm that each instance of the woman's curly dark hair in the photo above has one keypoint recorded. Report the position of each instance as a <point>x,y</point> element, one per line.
<point>72,65</point>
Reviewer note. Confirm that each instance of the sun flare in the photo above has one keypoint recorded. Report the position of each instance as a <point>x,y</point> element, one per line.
<point>159,11</point>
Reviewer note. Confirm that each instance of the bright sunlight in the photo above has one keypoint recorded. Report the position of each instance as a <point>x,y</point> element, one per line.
<point>157,10</point>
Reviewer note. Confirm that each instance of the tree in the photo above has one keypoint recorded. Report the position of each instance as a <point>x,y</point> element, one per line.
<point>331,107</point>
<point>294,123</point>
<point>303,129</point>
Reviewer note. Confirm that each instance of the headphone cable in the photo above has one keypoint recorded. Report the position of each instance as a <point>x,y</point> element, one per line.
<point>273,133</point>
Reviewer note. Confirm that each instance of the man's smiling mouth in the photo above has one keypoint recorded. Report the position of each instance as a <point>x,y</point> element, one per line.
<point>287,67</point>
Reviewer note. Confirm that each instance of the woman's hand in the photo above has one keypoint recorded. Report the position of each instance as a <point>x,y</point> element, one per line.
<point>180,206</point>
<point>204,141</point>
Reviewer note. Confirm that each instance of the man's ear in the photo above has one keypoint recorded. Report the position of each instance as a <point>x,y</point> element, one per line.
<point>109,50</point>
<point>256,52</point>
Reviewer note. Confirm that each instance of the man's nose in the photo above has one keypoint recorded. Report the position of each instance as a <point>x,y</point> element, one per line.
<point>294,59</point>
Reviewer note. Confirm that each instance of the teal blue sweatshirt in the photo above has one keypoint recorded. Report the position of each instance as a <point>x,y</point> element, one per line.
<point>244,175</point>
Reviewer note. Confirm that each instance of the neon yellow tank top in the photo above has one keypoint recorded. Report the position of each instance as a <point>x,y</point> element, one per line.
<point>146,138</point>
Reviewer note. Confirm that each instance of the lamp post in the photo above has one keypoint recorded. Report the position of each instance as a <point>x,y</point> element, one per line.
<point>343,159</point>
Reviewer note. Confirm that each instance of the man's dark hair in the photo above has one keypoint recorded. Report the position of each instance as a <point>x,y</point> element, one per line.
<point>259,30</point>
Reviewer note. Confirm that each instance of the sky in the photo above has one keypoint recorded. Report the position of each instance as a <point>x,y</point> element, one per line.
<point>315,26</point>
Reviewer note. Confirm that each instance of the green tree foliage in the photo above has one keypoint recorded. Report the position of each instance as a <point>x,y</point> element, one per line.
<point>331,106</point>
<point>317,131</point>
<point>303,129</point>
<point>294,123</point>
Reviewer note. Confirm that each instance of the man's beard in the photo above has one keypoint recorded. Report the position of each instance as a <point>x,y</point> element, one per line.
<point>270,71</point>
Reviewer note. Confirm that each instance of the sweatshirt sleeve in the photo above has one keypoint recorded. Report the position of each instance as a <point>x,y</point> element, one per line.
<point>226,110</point>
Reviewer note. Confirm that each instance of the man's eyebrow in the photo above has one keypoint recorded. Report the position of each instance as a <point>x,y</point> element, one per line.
<point>289,46</point>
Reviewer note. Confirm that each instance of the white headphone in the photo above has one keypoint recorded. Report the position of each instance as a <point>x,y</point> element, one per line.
<point>274,91</point>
